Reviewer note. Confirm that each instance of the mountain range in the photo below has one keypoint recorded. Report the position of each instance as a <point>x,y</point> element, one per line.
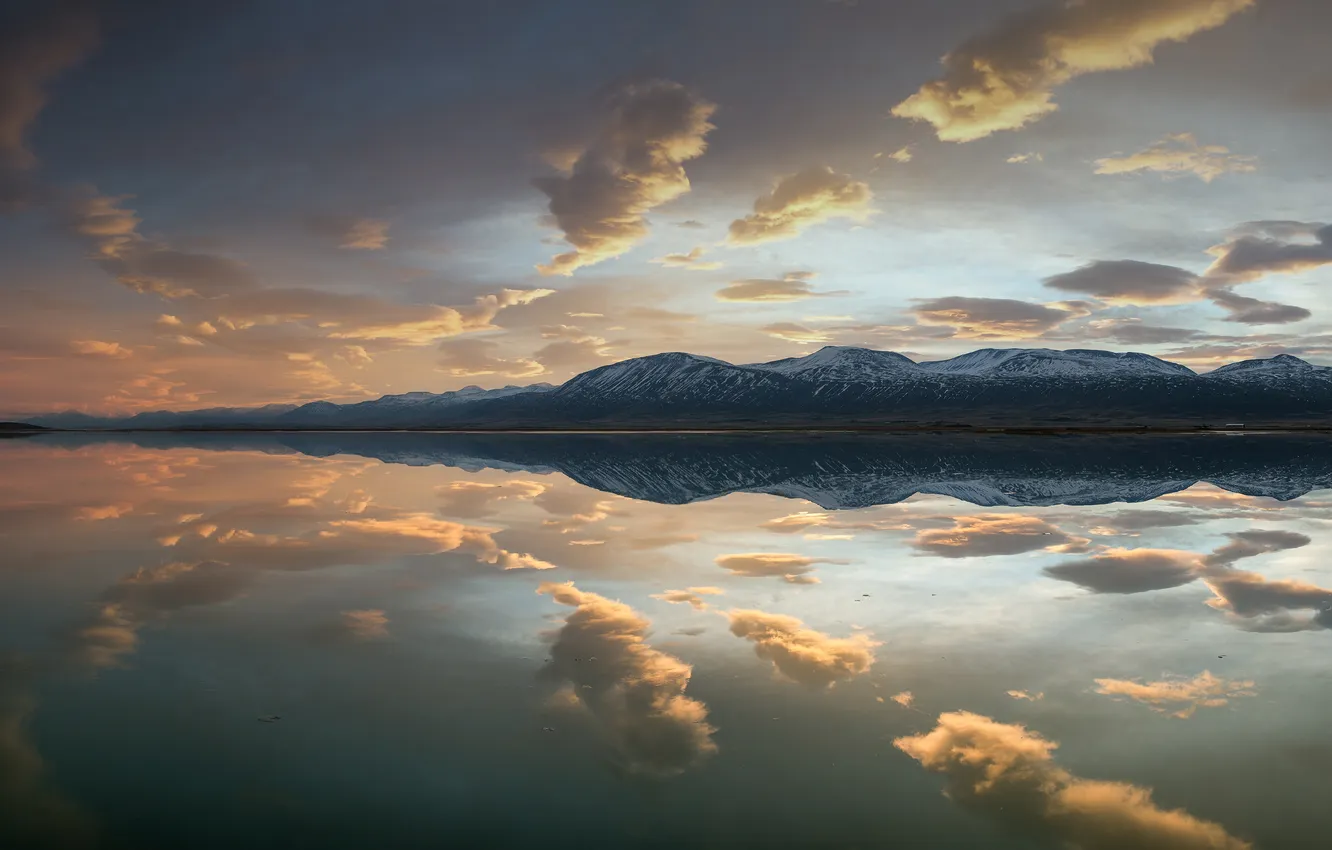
<point>835,387</point>
<point>832,470</point>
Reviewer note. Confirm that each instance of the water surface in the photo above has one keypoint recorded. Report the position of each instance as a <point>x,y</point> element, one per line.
<point>403,640</point>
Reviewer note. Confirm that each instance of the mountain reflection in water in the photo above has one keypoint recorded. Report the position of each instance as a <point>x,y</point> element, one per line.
<point>664,640</point>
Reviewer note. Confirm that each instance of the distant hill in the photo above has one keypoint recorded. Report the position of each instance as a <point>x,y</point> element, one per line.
<point>19,428</point>
<point>835,387</point>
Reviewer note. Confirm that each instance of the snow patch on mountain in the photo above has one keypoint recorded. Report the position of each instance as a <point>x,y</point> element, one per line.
<point>843,363</point>
<point>1046,362</point>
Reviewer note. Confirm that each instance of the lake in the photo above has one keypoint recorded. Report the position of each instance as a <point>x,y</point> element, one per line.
<point>424,640</point>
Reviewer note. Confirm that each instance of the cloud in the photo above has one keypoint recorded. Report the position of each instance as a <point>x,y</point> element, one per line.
<point>794,286</point>
<point>33,51</point>
<point>97,348</point>
<point>469,499</point>
<point>364,234</point>
<point>33,813</point>
<point>692,596</point>
<point>1260,248</point>
<point>804,656</point>
<point>1136,332</point>
<point>902,155</point>
<point>906,699</point>
<point>1248,544</point>
<point>635,165</point>
<point>1005,78</point>
<point>1267,604</point>
<point>635,691</point>
<point>575,354</point>
<point>465,358</point>
<point>1179,696</point>
<point>1007,773</point>
<point>1119,570</point>
<point>364,318</point>
<point>1129,282</point>
<point>1251,311</point>
<point>996,318</point>
<point>1130,570</point>
<point>793,569</point>
<point>148,265</point>
<point>1024,158</point>
<point>366,624</point>
<point>1026,696</point>
<point>1180,154</point>
<point>693,261</point>
<point>1134,520</point>
<point>802,200</point>
<point>996,534</point>
<point>794,332</point>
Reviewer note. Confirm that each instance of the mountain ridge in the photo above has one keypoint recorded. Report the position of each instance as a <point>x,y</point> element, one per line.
<point>834,387</point>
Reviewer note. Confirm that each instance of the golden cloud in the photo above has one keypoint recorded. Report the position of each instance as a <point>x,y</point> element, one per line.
<point>1007,773</point>
<point>996,318</point>
<point>636,692</point>
<point>803,655</point>
<point>793,332</point>
<point>801,200</point>
<point>794,286</point>
<point>1180,154</point>
<point>692,596</point>
<point>1179,696</point>
<point>996,534</point>
<point>793,569</point>
<point>97,348</point>
<point>469,358</point>
<point>366,624</point>
<point>693,261</point>
<point>1005,78</point>
<point>636,165</point>
<point>365,234</point>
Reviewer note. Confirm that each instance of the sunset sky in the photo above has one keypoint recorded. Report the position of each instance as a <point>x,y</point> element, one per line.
<point>240,203</point>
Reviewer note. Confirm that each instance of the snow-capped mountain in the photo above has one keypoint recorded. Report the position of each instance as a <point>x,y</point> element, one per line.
<point>833,387</point>
<point>843,363</point>
<point>1045,362</point>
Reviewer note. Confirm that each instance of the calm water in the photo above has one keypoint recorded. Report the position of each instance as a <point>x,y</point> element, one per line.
<point>426,641</point>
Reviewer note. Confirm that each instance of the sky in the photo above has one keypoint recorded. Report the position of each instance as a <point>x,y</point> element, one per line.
<point>248,203</point>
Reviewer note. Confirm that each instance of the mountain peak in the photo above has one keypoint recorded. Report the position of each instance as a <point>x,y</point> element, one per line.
<point>1279,364</point>
<point>841,363</point>
<point>1048,362</point>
